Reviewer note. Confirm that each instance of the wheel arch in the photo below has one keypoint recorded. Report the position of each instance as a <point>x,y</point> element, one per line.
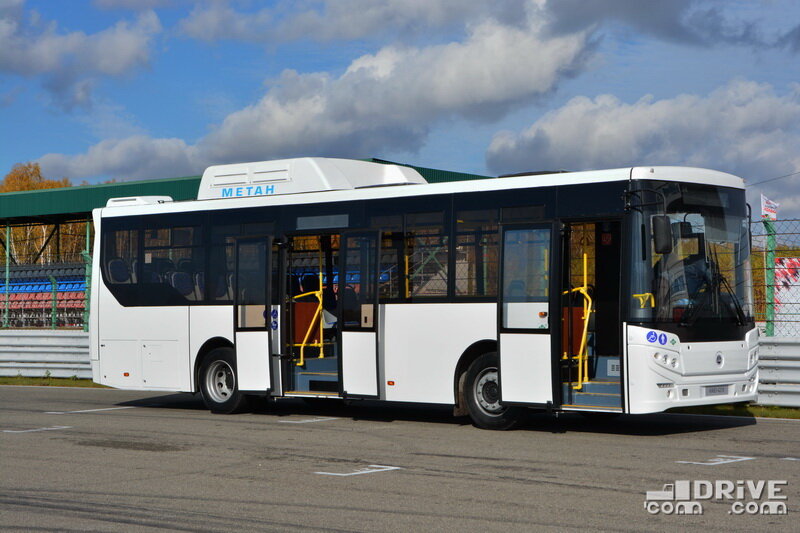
<point>475,350</point>
<point>211,344</point>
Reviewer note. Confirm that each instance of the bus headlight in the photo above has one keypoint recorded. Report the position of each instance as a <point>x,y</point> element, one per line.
<point>673,362</point>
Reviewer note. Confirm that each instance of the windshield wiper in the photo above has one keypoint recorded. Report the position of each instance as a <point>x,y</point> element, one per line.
<point>723,282</point>
<point>694,310</point>
<point>734,299</point>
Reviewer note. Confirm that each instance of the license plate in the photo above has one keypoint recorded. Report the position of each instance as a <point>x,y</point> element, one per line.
<point>717,390</point>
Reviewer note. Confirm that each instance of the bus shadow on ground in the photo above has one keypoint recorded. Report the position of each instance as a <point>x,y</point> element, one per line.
<point>659,424</point>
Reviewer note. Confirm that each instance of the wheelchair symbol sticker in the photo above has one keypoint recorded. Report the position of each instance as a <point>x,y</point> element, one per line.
<point>652,336</point>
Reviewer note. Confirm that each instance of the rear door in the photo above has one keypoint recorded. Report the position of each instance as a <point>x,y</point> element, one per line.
<point>524,329</point>
<point>358,313</point>
<point>252,314</point>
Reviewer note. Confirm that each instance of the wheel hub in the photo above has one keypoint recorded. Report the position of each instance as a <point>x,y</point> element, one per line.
<point>487,392</point>
<point>220,381</point>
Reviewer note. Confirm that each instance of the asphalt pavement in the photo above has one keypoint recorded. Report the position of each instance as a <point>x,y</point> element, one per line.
<point>106,460</point>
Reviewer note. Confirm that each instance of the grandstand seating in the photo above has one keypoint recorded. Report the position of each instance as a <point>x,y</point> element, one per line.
<point>30,295</point>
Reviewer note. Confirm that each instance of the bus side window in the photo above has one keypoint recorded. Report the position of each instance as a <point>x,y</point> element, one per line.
<point>218,281</point>
<point>391,280</point>
<point>119,259</point>
<point>427,250</point>
<point>476,253</point>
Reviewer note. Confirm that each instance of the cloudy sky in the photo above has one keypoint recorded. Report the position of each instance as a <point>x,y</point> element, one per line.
<point>135,89</point>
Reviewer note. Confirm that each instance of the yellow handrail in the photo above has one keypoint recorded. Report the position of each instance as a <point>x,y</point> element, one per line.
<point>644,298</point>
<point>317,317</point>
<point>407,275</point>
<point>583,351</point>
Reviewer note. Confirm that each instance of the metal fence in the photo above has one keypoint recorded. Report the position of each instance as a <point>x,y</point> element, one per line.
<point>32,353</point>
<point>776,277</point>
<point>779,371</point>
<point>45,271</point>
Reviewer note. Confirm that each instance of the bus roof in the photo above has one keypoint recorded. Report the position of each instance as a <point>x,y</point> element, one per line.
<point>301,175</point>
<point>370,183</point>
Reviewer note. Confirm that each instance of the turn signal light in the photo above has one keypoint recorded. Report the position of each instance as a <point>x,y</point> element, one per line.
<point>390,383</point>
<point>126,374</point>
<point>542,314</point>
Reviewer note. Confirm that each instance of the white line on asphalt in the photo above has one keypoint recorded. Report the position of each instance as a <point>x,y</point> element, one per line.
<point>791,458</point>
<point>371,469</point>
<point>88,410</point>
<point>307,420</point>
<point>718,460</point>
<point>34,430</point>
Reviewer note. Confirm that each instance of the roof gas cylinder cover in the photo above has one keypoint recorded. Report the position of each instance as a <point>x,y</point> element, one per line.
<point>294,176</point>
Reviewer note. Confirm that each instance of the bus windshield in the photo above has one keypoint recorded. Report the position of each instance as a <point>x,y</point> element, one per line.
<point>702,287</point>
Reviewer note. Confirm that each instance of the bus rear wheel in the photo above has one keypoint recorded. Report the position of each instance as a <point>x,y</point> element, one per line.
<point>218,383</point>
<point>482,395</point>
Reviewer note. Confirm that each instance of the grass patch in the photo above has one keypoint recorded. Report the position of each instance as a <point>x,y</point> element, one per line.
<point>50,382</point>
<point>742,409</point>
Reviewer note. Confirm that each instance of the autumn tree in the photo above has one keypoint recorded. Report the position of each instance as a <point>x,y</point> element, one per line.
<point>28,177</point>
<point>27,240</point>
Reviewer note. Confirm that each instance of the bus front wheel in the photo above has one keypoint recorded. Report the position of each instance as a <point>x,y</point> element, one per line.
<point>483,395</point>
<point>218,383</point>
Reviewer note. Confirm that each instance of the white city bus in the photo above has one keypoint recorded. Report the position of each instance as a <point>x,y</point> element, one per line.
<point>614,291</point>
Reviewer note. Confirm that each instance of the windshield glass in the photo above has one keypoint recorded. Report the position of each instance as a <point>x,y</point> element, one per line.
<point>704,281</point>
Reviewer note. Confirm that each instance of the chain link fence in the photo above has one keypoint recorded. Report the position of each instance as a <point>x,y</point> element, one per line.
<point>776,276</point>
<point>45,270</point>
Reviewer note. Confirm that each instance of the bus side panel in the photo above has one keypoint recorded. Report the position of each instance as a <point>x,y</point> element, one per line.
<point>149,344</point>
<point>423,343</point>
<point>207,322</point>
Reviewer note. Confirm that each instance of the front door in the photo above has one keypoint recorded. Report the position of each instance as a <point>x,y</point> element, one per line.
<point>252,314</point>
<point>526,374</point>
<point>358,313</point>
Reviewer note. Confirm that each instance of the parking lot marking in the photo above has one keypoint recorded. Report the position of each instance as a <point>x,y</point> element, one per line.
<point>791,458</point>
<point>371,469</point>
<point>307,420</point>
<point>88,410</point>
<point>35,430</point>
<point>718,460</point>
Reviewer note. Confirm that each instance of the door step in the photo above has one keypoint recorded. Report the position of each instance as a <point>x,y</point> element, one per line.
<point>311,394</point>
<point>598,394</point>
<point>571,407</point>
<point>317,375</point>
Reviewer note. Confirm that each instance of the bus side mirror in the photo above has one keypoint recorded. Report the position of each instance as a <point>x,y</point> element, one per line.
<point>662,234</point>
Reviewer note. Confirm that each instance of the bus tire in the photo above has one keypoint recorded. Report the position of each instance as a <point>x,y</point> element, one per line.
<point>218,383</point>
<point>482,393</point>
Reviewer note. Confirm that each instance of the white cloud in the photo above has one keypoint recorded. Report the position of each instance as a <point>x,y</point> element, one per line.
<point>131,158</point>
<point>215,21</point>
<point>70,63</point>
<point>704,23</point>
<point>329,20</point>
<point>384,101</point>
<point>743,127</point>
